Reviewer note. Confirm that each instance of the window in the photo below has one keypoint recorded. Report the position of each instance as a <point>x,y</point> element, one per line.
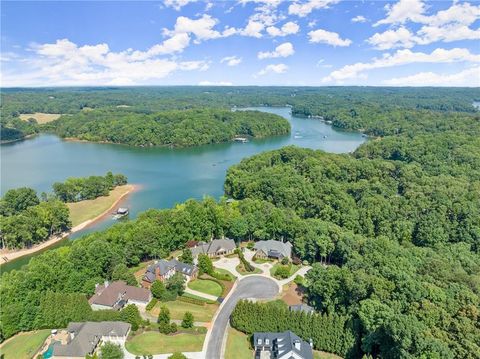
<point>259,341</point>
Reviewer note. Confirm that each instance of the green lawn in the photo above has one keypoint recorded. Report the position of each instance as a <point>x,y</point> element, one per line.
<point>201,313</point>
<point>238,346</point>
<point>242,271</point>
<point>224,271</point>
<point>91,208</point>
<point>293,269</point>
<point>156,343</point>
<point>25,345</point>
<point>324,355</point>
<point>206,286</point>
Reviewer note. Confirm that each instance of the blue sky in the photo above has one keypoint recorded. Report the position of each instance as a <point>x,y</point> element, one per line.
<point>240,42</point>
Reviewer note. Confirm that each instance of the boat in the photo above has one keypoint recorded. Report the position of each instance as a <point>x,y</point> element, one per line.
<point>120,212</point>
<point>241,139</point>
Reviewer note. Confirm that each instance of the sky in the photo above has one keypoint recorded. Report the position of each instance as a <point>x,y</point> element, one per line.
<point>240,42</point>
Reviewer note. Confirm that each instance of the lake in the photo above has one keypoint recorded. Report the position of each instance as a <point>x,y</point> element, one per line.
<point>166,176</point>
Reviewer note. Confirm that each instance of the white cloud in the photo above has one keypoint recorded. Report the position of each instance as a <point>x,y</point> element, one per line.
<point>288,28</point>
<point>215,83</point>
<point>403,11</point>
<point>277,69</point>
<point>303,8</point>
<point>202,28</point>
<point>469,78</point>
<point>64,63</point>
<point>177,4</point>
<point>390,39</point>
<point>359,18</point>
<point>402,57</point>
<point>231,60</point>
<point>328,37</point>
<point>253,29</point>
<point>283,50</point>
<point>447,25</point>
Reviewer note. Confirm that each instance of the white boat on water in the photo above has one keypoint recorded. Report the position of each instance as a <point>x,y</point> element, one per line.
<point>120,212</point>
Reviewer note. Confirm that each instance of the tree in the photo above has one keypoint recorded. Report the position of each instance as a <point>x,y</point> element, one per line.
<point>18,200</point>
<point>158,289</point>
<point>121,272</point>
<point>186,256</point>
<point>176,284</point>
<point>163,316</point>
<point>177,355</point>
<point>130,314</point>
<point>205,264</point>
<point>111,351</point>
<point>188,320</point>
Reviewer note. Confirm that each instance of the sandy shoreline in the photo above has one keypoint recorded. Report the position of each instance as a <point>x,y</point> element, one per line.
<point>6,256</point>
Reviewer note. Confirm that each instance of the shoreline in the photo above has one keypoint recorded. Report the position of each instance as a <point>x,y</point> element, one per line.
<point>6,257</point>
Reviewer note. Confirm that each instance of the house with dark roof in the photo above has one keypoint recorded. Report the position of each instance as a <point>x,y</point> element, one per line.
<point>301,308</point>
<point>214,248</point>
<point>273,249</point>
<point>116,295</point>
<point>84,338</point>
<point>162,270</point>
<point>286,345</point>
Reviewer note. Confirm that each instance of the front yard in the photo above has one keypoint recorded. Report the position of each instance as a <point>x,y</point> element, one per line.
<point>24,345</point>
<point>201,313</point>
<point>153,342</point>
<point>206,286</point>
<point>238,345</point>
<point>292,269</point>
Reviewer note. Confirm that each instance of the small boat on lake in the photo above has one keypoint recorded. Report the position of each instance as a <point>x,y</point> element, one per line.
<point>120,212</point>
<point>241,139</point>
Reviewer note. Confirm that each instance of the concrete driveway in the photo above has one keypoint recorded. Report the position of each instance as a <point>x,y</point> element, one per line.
<point>253,286</point>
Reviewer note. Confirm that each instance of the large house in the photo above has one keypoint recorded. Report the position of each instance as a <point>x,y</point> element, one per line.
<point>273,249</point>
<point>117,294</point>
<point>286,345</point>
<point>162,270</point>
<point>85,338</point>
<point>214,248</point>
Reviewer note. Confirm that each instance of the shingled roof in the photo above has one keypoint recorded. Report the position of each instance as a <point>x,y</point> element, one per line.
<point>286,345</point>
<point>214,247</point>
<point>109,294</point>
<point>87,335</point>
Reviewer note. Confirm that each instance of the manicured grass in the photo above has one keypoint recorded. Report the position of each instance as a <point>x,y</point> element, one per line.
<point>242,270</point>
<point>156,343</point>
<point>224,271</point>
<point>24,345</point>
<point>201,313</point>
<point>293,269</point>
<point>206,286</point>
<point>40,117</point>
<point>202,299</point>
<point>262,260</point>
<point>238,346</point>
<point>84,210</point>
<point>324,355</point>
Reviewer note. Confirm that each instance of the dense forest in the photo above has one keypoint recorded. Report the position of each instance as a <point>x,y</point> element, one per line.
<point>392,231</point>
<point>353,108</point>
<point>178,128</point>
<point>26,219</point>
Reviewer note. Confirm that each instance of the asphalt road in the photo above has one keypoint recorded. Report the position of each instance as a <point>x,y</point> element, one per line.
<point>249,287</point>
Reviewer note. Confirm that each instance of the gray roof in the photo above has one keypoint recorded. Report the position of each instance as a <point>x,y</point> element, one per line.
<point>282,345</point>
<point>274,247</point>
<point>165,266</point>
<point>301,308</point>
<point>86,336</point>
<point>213,247</point>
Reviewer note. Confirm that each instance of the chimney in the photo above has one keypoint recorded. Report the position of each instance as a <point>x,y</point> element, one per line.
<point>106,284</point>
<point>297,344</point>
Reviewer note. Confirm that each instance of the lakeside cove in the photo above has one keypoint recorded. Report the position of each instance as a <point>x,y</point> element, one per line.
<point>164,176</point>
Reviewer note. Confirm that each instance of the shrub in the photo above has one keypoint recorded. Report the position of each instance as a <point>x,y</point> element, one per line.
<point>222,276</point>
<point>299,280</point>
<point>205,264</point>
<point>285,261</point>
<point>111,351</point>
<point>250,245</point>
<point>282,272</point>
<point>188,320</point>
<point>246,264</point>
<point>177,355</point>
<point>151,304</point>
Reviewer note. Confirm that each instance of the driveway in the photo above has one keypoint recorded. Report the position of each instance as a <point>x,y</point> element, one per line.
<point>253,286</point>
